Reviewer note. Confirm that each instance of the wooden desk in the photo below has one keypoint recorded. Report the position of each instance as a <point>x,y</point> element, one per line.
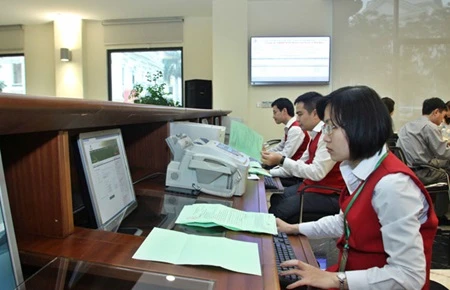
<point>117,249</point>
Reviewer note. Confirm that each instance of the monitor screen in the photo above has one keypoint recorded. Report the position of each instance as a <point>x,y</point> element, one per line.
<point>107,176</point>
<point>11,271</point>
<point>290,60</point>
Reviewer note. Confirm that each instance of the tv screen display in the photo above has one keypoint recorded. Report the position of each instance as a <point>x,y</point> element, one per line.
<point>290,60</point>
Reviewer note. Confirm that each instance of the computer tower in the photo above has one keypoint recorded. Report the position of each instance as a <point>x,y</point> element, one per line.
<point>198,94</point>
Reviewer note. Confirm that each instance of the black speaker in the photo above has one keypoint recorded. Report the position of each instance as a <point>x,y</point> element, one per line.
<point>198,94</point>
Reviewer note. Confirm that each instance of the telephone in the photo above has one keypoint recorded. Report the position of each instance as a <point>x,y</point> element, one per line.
<point>205,166</point>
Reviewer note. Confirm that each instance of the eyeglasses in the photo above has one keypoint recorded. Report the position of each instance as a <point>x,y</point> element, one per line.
<point>327,129</point>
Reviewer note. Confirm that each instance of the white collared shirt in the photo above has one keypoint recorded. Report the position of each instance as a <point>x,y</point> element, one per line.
<point>317,170</point>
<point>294,140</point>
<point>401,208</point>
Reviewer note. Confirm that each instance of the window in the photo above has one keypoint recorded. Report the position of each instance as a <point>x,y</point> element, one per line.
<point>127,68</point>
<point>12,73</point>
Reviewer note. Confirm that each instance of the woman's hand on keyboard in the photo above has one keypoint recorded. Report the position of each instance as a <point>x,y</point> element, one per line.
<point>310,275</point>
<point>290,229</point>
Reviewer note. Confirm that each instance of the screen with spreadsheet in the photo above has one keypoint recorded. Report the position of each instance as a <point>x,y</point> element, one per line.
<point>107,175</point>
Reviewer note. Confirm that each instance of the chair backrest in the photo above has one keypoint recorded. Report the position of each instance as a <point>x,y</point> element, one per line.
<point>314,216</point>
<point>435,189</point>
<point>398,152</point>
<point>392,141</point>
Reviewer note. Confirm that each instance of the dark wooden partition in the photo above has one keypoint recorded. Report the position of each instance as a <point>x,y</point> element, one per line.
<point>37,134</point>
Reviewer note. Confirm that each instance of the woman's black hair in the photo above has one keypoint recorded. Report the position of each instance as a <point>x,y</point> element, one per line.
<point>363,116</point>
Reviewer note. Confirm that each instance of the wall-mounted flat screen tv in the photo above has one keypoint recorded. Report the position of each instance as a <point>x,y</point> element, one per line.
<point>290,60</point>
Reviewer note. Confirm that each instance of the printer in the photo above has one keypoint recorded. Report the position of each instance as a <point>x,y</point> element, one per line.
<point>205,166</point>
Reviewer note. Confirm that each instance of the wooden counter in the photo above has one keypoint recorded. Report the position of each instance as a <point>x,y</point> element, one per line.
<point>38,143</point>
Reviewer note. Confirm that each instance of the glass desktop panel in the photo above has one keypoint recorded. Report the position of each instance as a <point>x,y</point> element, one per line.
<point>63,273</point>
<point>7,278</point>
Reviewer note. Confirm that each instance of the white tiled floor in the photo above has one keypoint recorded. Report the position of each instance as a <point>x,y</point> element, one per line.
<point>441,276</point>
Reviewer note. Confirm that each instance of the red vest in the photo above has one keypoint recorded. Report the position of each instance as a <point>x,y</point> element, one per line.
<point>332,179</point>
<point>365,244</point>
<point>302,146</point>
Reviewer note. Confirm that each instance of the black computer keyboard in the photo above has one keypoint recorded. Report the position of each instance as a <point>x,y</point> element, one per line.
<point>284,252</point>
<point>269,183</point>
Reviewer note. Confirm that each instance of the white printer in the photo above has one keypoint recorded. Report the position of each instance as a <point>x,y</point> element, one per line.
<point>205,166</point>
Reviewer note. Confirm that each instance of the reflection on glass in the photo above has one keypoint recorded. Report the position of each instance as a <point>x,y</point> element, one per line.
<point>7,280</point>
<point>400,48</point>
<point>63,273</point>
<point>128,68</point>
<point>12,74</point>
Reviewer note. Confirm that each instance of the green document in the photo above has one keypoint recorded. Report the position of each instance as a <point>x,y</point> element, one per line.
<point>259,171</point>
<point>245,140</point>
<point>178,248</point>
<point>208,215</point>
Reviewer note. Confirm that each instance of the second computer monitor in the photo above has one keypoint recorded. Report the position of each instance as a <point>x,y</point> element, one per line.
<point>108,177</point>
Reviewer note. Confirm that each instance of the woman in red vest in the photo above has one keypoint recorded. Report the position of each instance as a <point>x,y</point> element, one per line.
<point>387,224</point>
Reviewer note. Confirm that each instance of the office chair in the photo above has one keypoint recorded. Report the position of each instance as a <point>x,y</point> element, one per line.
<point>313,216</point>
<point>270,143</point>
<point>398,152</point>
<point>392,141</point>
<point>437,286</point>
<point>434,189</point>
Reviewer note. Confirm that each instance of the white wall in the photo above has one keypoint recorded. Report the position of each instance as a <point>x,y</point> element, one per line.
<point>94,62</point>
<point>284,18</point>
<point>230,57</point>
<point>39,60</point>
<point>197,48</point>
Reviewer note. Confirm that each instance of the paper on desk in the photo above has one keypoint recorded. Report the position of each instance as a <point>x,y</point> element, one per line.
<point>183,249</point>
<point>254,164</point>
<point>246,140</point>
<point>209,215</point>
<point>253,177</point>
<point>259,171</point>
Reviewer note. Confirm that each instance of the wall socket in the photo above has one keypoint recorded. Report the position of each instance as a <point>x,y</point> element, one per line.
<point>264,104</point>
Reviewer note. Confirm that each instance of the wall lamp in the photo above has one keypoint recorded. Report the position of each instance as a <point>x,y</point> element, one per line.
<point>65,54</point>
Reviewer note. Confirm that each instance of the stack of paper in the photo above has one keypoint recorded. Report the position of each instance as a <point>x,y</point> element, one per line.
<point>210,215</point>
<point>246,140</point>
<point>256,168</point>
<point>179,248</point>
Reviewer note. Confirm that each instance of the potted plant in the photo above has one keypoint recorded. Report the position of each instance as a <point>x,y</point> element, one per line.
<point>154,93</point>
<point>2,85</point>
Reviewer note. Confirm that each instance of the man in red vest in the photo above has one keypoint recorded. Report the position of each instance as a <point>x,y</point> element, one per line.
<point>295,139</point>
<point>315,167</point>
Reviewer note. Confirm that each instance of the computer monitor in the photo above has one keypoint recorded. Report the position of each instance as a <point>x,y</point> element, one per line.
<point>108,177</point>
<point>11,271</point>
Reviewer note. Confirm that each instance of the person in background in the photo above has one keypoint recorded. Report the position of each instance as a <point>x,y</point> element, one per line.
<point>421,139</point>
<point>295,140</point>
<point>315,167</point>
<point>386,224</point>
<point>445,125</point>
<point>422,143</point>
<point>389,103</point>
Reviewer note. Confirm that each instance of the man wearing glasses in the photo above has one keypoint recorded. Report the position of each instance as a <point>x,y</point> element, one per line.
<point>315,167</point>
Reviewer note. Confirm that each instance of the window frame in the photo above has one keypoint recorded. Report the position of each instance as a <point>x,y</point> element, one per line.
<point>109,53</point>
